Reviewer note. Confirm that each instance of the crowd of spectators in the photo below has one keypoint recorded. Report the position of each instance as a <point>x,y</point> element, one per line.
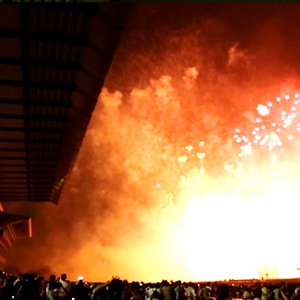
<point>31,287</point>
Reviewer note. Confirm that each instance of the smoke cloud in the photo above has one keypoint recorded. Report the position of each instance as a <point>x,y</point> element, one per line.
<point>184,77</point>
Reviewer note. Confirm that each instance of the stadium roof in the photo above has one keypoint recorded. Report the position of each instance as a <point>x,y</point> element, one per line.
<point>53,62</point>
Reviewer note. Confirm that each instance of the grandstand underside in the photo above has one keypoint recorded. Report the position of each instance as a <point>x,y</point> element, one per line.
<point>53,63</point>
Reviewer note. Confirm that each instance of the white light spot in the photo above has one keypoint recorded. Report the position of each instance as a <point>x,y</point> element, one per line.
<point>200,155</point>
<point>182,159</point>
<point>262,142</point>
<point>263,110</point>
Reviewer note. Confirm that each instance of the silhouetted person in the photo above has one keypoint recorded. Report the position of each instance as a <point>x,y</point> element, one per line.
<point>79,291</point>
<point>115,289</point>
<point>40,287</point>
<point>257,293</point>
<point>27,290</point>
<point>296,295</point>
<point>3,285</point>
<point>52,288</point>
<point>222,292</point>
<point>167,291</point>
<point>112,290</point>
<point>179,291</point>
<point>66,287</point>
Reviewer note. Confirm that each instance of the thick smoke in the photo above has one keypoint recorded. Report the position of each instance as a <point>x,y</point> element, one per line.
<point>183,78</point>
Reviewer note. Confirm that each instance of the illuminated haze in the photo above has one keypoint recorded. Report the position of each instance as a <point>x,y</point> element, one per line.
<point>159,190</point>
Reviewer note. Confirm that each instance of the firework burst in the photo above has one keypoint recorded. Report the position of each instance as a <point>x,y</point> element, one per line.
<point>276,131</point>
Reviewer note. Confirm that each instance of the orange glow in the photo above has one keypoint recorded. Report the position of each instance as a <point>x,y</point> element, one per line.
<point>190,165</point>
<point>168,207</point>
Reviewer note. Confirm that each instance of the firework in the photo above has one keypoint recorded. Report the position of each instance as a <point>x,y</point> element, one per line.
<point>276,129</point>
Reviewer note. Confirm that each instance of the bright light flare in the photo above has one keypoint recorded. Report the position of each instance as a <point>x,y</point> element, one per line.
<point>235,223</point>
<point>171,214</point>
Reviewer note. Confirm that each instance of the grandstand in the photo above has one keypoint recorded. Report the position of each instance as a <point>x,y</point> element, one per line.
<point>53,62</point>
